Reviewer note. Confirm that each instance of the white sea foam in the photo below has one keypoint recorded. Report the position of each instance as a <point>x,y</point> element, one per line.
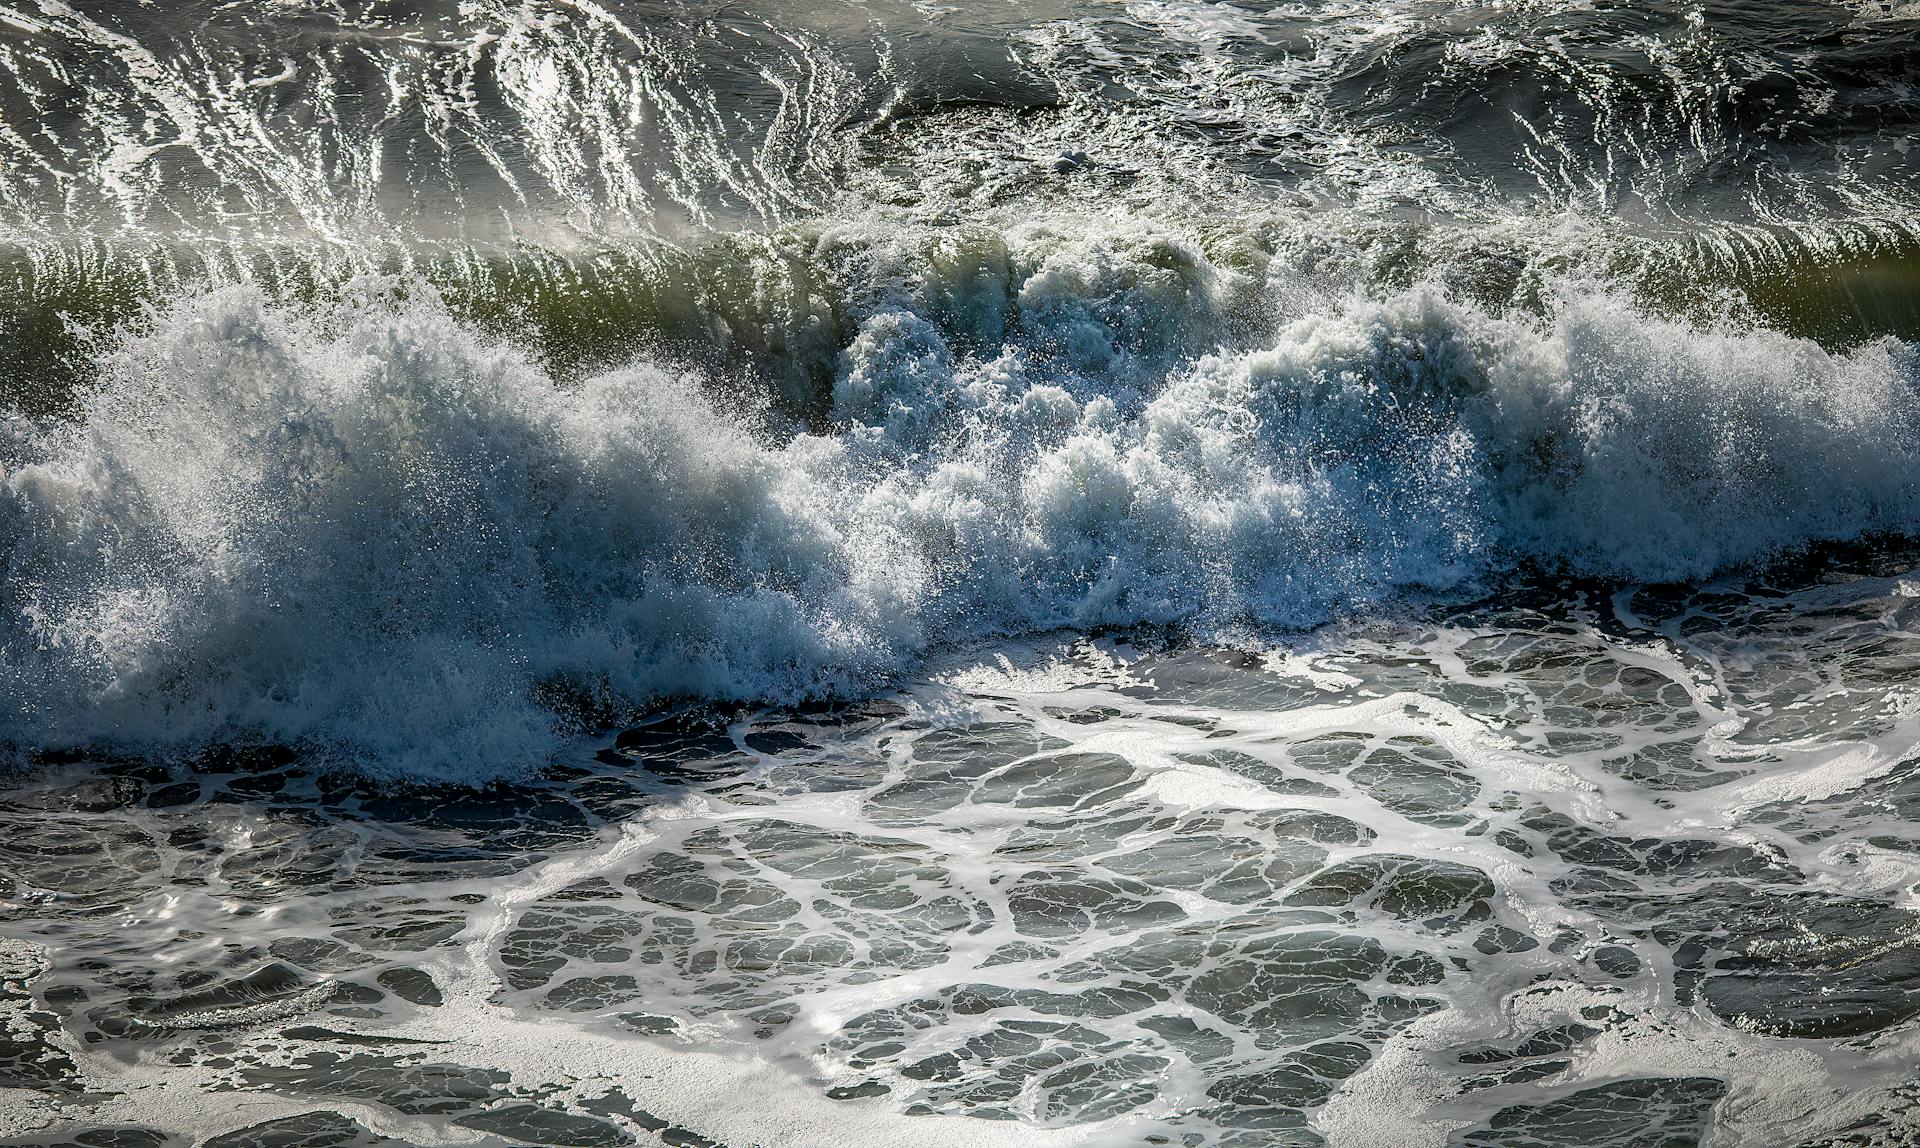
<point>1071,893</point>
<point>363,526</point>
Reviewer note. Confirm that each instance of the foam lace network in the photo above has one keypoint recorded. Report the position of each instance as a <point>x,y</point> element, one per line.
<point>359,525</point>
<point>489,120</point>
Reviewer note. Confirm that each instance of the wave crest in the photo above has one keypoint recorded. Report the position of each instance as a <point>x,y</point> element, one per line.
<point>363,527</point>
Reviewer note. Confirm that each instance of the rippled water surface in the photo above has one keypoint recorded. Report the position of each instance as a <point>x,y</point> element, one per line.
<point>880,575</point>
<point>1628,870</point>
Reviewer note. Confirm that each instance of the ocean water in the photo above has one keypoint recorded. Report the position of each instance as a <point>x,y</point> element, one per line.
<point>888,575</point>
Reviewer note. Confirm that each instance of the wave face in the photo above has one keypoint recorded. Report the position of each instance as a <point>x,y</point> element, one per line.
<point>364,526</point>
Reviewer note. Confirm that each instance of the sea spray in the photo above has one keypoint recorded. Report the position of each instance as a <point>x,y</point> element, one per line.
<point>365,527</point>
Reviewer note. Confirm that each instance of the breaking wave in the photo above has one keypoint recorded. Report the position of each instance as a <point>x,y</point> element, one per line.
<point>360,524</point>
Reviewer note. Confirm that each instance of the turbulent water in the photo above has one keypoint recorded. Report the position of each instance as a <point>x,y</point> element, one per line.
<point>877,575</point>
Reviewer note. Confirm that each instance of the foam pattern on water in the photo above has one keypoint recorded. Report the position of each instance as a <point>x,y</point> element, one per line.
<point>496,123</point>
<point>1626,871</point>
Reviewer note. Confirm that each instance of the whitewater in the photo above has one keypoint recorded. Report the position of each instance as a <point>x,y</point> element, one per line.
<point>878,575</point>
<point>371,530</point>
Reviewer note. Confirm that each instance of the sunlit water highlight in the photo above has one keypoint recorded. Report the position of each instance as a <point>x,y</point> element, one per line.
<point>583,573</point>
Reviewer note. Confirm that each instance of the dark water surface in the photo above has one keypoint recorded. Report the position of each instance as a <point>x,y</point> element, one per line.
<point>881,575</point>
<point>1569,871</point>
